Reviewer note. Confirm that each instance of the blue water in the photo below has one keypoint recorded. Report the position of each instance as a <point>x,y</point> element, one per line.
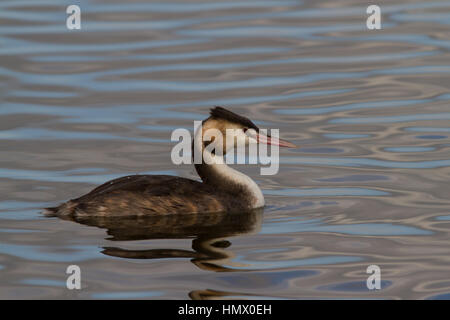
<point>369,110</point>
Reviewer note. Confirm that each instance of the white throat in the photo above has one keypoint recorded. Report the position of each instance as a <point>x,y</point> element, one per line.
<point>219,171</point>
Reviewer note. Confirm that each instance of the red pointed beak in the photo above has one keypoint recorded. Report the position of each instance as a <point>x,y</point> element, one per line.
<point>274,141</point>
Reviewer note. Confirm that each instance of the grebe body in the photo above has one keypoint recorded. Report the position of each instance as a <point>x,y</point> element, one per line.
<point>222,188</point>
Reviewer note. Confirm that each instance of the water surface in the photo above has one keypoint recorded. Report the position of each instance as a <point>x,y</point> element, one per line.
<point>369,183</point>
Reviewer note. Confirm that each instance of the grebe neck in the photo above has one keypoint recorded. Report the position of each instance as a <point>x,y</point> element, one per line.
<point>214,171</point>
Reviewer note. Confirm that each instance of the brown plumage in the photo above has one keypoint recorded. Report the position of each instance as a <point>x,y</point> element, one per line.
<point>150,194</point>
<point>221,113</point>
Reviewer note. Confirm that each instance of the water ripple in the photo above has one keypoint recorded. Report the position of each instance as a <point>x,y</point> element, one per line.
<point>369,109</point>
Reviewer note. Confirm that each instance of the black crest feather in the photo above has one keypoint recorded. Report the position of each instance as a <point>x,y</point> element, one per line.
<point>222,113</point>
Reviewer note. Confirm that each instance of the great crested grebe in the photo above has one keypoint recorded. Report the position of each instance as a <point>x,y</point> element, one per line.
<point>222,188</point>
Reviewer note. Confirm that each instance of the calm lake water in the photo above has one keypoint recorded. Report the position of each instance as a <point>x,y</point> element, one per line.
<point>369,184</point>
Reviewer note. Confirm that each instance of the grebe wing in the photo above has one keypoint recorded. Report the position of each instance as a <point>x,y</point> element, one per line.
<point>144,194</point>
<point>133,183</point>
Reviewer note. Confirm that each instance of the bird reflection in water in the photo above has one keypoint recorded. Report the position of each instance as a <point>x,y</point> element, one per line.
<point>211,249</point>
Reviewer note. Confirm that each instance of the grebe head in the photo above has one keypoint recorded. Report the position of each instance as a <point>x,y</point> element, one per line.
<point>235,130</point>
<point>228,130</point>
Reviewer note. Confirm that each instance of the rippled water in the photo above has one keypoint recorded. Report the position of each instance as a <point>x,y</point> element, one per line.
<point>369,109</point>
